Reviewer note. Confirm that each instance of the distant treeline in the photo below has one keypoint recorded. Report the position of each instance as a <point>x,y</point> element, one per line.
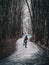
<point>10,18</point>
<point>40,20</point>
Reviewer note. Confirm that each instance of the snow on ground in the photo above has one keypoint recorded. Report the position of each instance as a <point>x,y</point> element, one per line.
<point>23,53</point>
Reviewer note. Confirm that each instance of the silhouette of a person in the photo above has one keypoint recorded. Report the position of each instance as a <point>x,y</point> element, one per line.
<point>25,41</point>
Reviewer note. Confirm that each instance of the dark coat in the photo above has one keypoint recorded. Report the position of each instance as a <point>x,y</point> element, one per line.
<point>25,39</point>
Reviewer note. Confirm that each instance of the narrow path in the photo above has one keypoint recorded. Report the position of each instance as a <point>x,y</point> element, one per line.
<point>24,56</point>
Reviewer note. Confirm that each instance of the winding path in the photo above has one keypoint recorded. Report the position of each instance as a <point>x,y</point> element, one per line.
<point>24,56</point>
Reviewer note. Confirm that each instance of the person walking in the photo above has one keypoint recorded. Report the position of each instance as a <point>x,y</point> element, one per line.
<point>25,41</point>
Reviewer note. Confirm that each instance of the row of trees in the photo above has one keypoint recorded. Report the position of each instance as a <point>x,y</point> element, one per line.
<point>10,18</point>
<point>40,20</point>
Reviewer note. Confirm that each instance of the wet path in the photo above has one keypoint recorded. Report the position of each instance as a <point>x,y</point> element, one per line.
<point>32,55</point>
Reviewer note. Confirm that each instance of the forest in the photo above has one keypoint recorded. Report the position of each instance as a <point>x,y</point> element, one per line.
<point>40,21</point>
<point>11,23</point>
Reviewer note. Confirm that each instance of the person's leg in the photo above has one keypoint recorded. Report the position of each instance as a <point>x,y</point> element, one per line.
<point>26,44</point>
